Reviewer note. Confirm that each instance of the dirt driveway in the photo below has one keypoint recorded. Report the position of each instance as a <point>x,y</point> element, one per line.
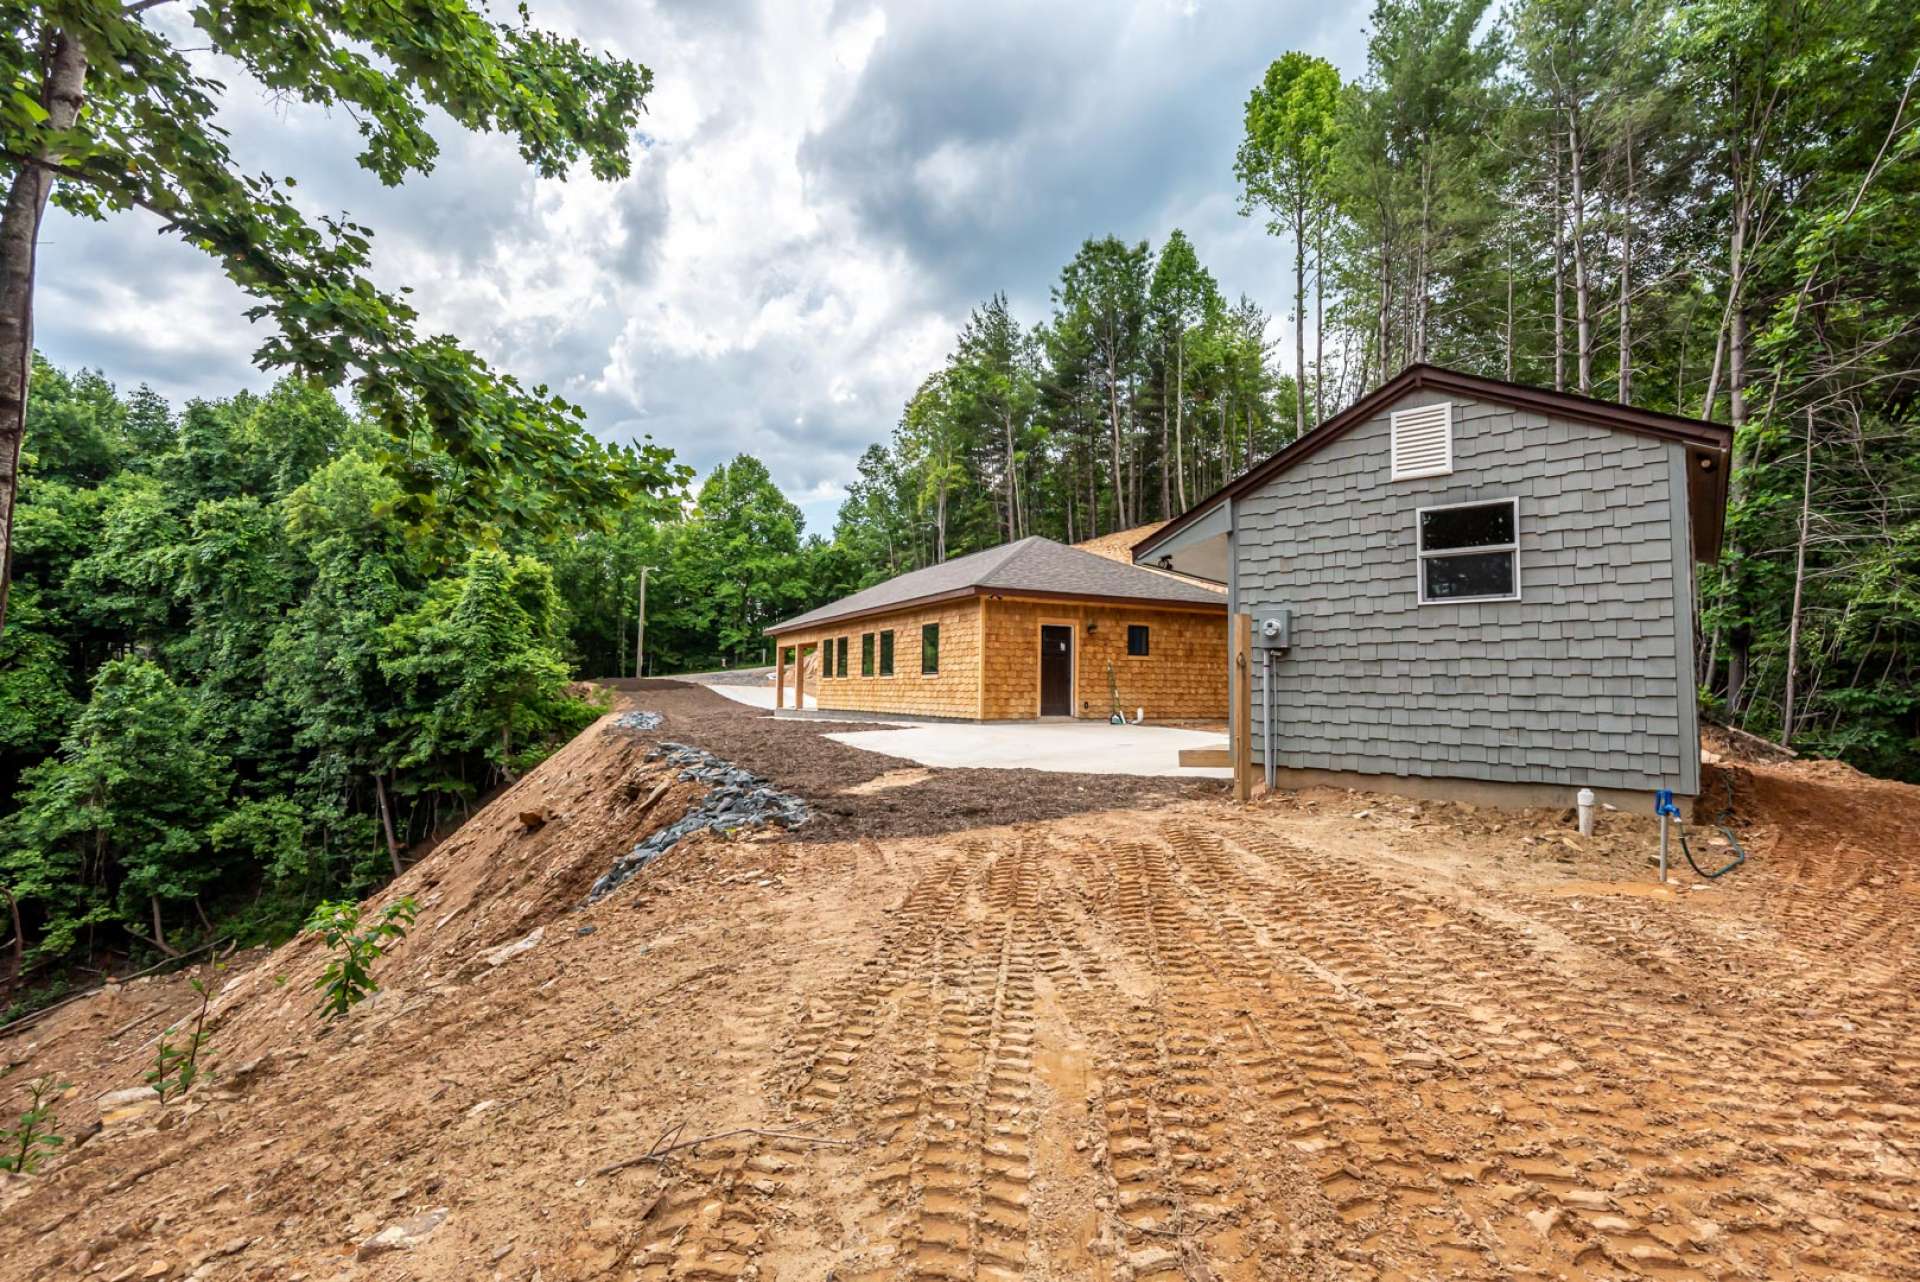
<point>1207,1044</point>
<point>1326,1037</point>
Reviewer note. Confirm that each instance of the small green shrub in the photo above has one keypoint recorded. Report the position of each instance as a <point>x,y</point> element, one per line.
<point>32,1140</point>
<point>348,979</point>
<point>176,1065</point>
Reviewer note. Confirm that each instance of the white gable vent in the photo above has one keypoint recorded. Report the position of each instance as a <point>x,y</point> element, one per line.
<point>1423,441</point>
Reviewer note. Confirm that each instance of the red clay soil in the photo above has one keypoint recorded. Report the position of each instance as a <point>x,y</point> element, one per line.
<point>1328,1036</point>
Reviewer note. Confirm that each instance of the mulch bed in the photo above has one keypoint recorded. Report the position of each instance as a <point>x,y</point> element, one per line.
<point>799,758</point>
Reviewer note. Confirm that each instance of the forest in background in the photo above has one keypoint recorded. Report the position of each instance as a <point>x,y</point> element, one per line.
<point>255,652</point>
<point>1710,208</point>
<point>237,680</point>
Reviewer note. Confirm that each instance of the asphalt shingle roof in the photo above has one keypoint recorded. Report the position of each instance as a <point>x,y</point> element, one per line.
<point>1029,565</point>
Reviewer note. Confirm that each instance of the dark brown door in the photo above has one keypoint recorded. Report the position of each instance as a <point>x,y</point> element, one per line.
<point>1056,671</point>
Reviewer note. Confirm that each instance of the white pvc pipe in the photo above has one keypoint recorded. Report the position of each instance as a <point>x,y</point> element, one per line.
<point>1584,802</point>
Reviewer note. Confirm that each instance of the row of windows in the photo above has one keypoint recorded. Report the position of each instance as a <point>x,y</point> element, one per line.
<point>876,653</point>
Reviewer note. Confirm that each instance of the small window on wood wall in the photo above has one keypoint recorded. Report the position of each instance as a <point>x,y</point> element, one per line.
<point>886,653</point>
<point>840,666</point>
<point>929,648</point>
<point>1137,641</point>
<point>866,654</point>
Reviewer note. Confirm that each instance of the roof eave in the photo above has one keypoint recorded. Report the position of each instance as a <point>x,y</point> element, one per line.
<point>1040,594</point>
<point>1698,435</point>
<point>801,622</point>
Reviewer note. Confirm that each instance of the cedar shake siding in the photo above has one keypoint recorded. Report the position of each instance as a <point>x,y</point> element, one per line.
<point>954,691</point>
<point>1183,676</point>
<point>991,606</point>
<point>1584,680</point>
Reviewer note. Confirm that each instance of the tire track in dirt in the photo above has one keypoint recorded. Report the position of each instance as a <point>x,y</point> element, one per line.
<point>947,1191</point>
<point>709,1222</point>
<point>1317,1066</point>
<point>1300,1067</point>
<point>1571,1044</point>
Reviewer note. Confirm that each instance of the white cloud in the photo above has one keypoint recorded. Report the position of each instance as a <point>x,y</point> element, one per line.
<point>822,191</point>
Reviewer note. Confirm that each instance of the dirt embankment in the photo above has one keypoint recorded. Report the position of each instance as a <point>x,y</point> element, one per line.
<point>1330,1036</point>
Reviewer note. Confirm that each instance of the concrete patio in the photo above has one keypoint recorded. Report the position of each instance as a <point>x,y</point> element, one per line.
<point>1069,747</point>
<point>1076,747</point>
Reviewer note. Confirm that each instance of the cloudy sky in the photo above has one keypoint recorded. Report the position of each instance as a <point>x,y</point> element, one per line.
<point>821,192</point>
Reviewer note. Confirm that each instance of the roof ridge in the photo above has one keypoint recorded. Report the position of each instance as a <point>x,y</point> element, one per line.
<point>1018,550</point>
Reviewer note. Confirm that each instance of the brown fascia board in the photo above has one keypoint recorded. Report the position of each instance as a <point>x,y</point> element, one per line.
<point>1138,602</point>
<point>994,594</point>
<point>891,607</point>
<point>1701,437</point>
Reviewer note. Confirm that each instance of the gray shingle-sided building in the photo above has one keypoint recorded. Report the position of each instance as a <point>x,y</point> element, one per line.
<point>1489,589</point>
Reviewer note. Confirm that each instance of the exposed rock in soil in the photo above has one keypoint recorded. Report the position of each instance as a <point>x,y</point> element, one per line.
<point>404,1236</point>
<point>735,798</point>
<point>641,720</point>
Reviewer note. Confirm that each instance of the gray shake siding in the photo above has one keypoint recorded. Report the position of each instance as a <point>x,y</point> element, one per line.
<point>1583,681</point>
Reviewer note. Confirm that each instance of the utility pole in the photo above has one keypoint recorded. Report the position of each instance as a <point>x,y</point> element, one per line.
<point>640,637</point>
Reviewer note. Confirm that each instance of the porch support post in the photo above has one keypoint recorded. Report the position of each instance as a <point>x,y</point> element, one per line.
<point>779,674</point>
<point>1240,704</point>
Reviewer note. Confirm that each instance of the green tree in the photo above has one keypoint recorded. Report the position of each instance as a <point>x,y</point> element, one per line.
<point>993,383</point>
<point>932,444</point>
<point>113,829</point>
<point>736,554</point>
<point>106,114</point>
<point>1101,301</point>
<point>1183,293</point>
<point>479,662</point>
<point>872,523</point>
<point>36,700</point>
<point>1284,165</point>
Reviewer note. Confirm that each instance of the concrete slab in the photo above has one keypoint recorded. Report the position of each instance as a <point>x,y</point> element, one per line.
<point>753,696</point>
<point>1076,747</point>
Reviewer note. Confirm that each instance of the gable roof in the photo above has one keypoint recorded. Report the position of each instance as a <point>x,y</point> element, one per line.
<point>1118,546</point>
<point>1707,443</point>
<point>1031,566</point>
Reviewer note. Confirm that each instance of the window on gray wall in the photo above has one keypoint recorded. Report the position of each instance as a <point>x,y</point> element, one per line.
<point>1469,552</point>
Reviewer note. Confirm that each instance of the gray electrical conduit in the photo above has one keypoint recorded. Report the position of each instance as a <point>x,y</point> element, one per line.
<point>1266,718</point>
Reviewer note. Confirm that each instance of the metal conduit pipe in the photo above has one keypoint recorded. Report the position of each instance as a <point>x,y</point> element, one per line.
<point>1266,718</point>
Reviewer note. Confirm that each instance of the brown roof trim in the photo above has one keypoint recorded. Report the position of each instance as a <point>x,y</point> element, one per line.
<point>961,594</point>
<point>1142,604</point>
<point>891,607</point>
<point>1701,437</point>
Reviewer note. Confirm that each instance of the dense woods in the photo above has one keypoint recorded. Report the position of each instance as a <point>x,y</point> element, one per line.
<point>236,679</point>
<point>259,647</point>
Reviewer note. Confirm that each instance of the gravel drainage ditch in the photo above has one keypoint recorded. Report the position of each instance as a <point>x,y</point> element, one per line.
<point>735,798</point>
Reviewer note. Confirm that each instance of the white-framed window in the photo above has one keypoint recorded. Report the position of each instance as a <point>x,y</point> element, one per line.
<point>1421,441</point>
<point>1469,551</point>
